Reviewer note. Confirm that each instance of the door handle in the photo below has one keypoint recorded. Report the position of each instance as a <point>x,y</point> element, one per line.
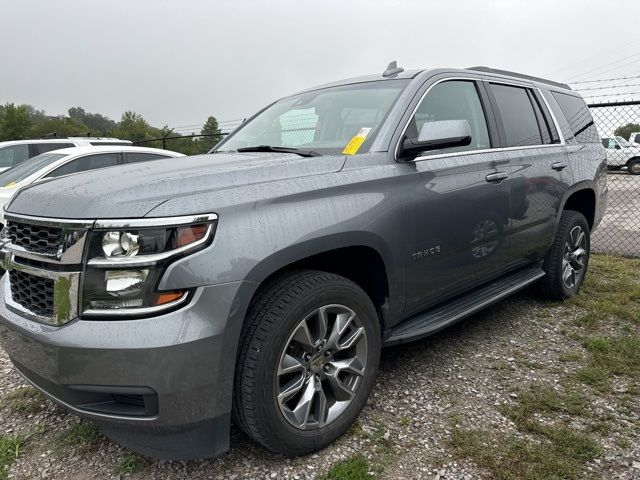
<point>497,177</point>
<point>559,166</point>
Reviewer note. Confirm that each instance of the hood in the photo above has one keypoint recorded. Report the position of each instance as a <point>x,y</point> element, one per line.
<point>130,191</point>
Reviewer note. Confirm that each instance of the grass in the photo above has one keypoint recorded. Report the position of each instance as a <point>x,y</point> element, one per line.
<point>545,399</point>
<point>353,468</point>
<point>609,358</point>
<point>80,434</point>
<point>550,450</point>
<point>9,452</point>
<point>24,400</point>
<point>128,464</point>
<point>611,292</point>
<point>556,428</point>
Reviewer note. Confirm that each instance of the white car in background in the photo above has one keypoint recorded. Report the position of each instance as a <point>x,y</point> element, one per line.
<point>635,138</point>
<point>72,160</point>
<point>621,153</point>
<point>15,152</point>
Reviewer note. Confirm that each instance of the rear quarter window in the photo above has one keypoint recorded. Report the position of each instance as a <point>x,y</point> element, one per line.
<point>578,117</point>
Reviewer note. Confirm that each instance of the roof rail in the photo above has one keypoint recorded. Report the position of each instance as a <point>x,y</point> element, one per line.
<point>519,75</point>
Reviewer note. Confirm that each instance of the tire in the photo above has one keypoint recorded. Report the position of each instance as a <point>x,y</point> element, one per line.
<point>270,341</point>
<point>568,246</point>
<point>633,167</point>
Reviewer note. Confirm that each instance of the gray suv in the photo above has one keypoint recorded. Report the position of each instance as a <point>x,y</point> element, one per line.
<point>260,282</point>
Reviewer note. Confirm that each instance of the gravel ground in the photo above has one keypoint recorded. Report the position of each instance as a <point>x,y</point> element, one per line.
<point>619,231</point>
<point>459,380</point>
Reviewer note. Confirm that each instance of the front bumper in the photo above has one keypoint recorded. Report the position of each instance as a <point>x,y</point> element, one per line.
<point>178,369</point>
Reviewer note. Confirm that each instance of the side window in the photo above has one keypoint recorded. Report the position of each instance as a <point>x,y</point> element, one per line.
<point>547,127</point>
<point>82,164</point>
<point>635,138</point>
<point>135,157</point>
<point>453,100</point>
<point>13,155</point>
<point>48,147</point>
<point>578,116</point>
<point>518,115</point>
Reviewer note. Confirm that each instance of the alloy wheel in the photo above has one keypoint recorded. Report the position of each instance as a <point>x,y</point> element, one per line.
<point>321,367</point>
<point>575,251</point>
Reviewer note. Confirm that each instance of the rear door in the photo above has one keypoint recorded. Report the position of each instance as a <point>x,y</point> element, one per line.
<point>540,172</point>
<point>459,205</point>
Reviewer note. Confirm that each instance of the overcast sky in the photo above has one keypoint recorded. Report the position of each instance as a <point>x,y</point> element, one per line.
<point>176,62</point>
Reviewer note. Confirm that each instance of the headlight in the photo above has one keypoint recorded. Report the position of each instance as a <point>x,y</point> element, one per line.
<point>126,260</point>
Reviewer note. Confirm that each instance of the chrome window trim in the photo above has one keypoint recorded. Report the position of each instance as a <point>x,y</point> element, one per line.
<point>154,222</point>
<point>553,118</point>
<point>484,150</point>
<point>144,260</point>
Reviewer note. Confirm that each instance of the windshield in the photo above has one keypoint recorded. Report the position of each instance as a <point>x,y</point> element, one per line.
<point>623,142</point>
<point>322,121</point>
<point>27,168</point>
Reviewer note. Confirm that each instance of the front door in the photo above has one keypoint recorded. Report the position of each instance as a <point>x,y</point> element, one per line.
<point>459,207</point>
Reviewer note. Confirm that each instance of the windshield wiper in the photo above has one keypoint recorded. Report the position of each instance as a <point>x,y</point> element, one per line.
<point>269,148</point>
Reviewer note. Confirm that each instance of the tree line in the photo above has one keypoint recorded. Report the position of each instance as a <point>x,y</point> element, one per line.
<point>19,122</point>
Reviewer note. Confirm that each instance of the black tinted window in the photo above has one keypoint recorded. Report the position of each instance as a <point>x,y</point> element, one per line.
<point>47,147</point>
<point>578,116</point>
<point>13,155</point>
<point>518,116</point>
<point>547,127</point>
<point>82,164</point>
<point>131,157</point>
<point>453,100</point>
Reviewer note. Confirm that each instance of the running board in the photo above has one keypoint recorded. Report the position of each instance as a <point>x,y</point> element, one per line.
<point>444,314</point>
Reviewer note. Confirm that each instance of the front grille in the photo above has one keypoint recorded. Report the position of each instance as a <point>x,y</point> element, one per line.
<point>33,293</point>
<point>35,238</point>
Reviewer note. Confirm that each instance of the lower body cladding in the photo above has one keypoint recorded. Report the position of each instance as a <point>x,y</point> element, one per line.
<point>161,386</point>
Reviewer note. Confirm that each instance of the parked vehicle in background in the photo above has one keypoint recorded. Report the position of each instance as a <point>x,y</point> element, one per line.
<point>262,280</point>
<point>72,160</point>
<point>14,152</point>
<point>634,138</point>
<point>622,154</point>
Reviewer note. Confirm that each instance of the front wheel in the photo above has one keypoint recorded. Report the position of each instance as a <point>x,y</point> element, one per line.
<point>307,361</point>
<point>566,262</point>
<point>634,167</point>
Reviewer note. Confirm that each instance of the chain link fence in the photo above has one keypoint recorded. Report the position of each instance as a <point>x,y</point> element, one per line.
<point>619,126</point>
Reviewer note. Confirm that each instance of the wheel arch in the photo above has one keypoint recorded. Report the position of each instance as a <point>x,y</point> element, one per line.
<point>359,256</point>
<point>581,198</point>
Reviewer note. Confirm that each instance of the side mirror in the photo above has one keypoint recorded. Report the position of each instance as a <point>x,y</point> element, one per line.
<point>436,135</point>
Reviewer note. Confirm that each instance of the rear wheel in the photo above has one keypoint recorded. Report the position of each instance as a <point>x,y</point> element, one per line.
<point>634,166</point>
<point>308,359</point>
<point>566,263</point>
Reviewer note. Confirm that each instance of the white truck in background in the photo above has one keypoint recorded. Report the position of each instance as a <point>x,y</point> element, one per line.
<point>623,154</point>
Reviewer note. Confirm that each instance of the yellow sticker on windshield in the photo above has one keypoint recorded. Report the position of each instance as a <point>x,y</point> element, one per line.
<point>356,142</point>
<point>10,184</point>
